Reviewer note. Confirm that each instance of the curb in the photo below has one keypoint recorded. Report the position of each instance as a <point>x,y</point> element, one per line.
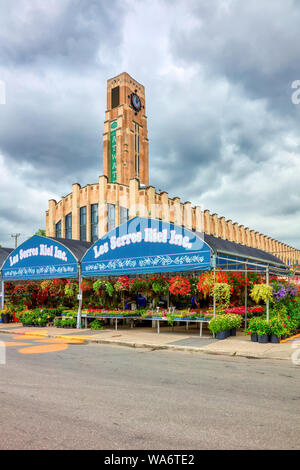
<point>152,347</point>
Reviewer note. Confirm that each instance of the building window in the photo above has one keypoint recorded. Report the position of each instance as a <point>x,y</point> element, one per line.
<point>110,217</point>
<point>115,97</point>
<point>137,149</point>
<point>83,223</point>
<point>68,225</point>
<point>124,215</point>
<point>94,222</point>
<point>58,229</point>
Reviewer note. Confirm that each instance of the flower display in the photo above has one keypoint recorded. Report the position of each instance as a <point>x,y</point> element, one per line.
<point>206,281</point>
<point>284,292</point>
<point>241,310</point>
<point>179,285</point>
<point>123,283</point>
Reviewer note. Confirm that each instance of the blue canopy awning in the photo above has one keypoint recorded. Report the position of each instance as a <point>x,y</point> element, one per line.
<point>144,245</point>
<point>41,258</point>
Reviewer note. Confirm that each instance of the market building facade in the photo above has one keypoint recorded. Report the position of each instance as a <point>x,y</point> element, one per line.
<point>123,191</point>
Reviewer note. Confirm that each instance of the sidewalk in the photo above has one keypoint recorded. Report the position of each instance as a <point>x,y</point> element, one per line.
<point>179,340</point>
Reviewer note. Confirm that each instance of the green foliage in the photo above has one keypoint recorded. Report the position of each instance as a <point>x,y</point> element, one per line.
<point>261,292</point>
<point>278,327</point>
<point>160,286</point>
<point>101,285</point>
<point>262,327</point>
<point>71,289</point>
<point>97,325</point>
<point>69,322</point>
<point>224,322</point>
<point>293,310</point>
<point>41,232</point>
<point>221,291</point>
<point>253,325</point>
<point>37,317</point>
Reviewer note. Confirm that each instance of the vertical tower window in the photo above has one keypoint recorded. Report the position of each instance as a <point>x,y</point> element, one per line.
<point>94,222</point>
<point>68,225</point>
<point>124,215</point>
<point>110,217</point>
<point>83,223</point>
<point>58,229</point>
<point>137,149</point>
<point>115,97</point>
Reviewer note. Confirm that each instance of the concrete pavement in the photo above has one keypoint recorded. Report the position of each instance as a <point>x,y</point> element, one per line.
<point>95,396</point>
<point>178,339</point>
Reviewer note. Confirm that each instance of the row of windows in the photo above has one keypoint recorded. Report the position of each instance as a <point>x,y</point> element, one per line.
<point>111,212</point>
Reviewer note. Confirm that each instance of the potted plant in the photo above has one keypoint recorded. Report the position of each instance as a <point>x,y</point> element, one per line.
<point>277,330</point>
<point>252,329</point>
<point>96,325</point>
<point>57,322</point>
<point>263,330</point>
<point>220,326</point>
<point>235,322</point>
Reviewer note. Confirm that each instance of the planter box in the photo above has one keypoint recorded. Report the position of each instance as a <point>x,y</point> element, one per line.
<point>5,318</point>
<point>263,338</point>
<point>233,332</point>
<point>254,337</point>
<point>223,334</point>
<point>274,339</point>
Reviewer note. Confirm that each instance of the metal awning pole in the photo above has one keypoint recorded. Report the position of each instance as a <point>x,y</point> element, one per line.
<point>79,297</point>
<point>268,302</point>
<point>214,265</point>
<point>2,292</point>
<point>246,293</point>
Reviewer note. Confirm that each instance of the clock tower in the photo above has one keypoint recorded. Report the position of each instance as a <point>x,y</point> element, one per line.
<point>125,138</point>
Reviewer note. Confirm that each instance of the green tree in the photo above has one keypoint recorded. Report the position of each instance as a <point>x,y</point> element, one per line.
<point>41,232</point>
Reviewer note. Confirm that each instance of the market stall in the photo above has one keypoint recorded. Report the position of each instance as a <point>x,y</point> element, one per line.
<point>41,258</point>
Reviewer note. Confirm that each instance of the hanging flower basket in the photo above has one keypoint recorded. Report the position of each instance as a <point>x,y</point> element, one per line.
<point>179,286</point>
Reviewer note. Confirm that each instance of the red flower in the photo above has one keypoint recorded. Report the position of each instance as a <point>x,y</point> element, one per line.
<point>179,285</point>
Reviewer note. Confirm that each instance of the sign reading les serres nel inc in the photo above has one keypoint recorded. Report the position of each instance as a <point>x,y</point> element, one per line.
<point>40,258</point>
<point>146,245</point>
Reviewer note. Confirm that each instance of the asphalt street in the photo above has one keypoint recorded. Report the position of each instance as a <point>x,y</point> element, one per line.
<point>91,396</point>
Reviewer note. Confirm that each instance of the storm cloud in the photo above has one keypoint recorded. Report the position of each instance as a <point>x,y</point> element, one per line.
<point>223,130</point>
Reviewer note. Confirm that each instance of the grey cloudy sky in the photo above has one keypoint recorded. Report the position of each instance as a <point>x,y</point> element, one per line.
<point>223,130</point>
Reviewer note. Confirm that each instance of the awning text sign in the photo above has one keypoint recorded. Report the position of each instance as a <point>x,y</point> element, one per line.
<point>39,258</point>
<point>144,245</point>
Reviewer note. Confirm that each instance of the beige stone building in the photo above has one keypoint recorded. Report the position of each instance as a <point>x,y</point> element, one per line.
<point>123,191</point>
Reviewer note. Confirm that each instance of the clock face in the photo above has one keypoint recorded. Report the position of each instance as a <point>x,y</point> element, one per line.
<point>135,102</point>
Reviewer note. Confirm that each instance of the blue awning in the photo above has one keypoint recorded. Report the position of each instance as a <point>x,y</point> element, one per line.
<point>41,258</point>
<point>144,245</point>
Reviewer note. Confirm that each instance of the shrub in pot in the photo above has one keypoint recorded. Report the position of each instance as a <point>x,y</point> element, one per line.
<point>57,322</point>
<point>68,323</point>
<point>96,325</point>
<point>263,330</point>
<point>220,326</point>
<point>252,328</point>
<point>235,322</point>
<point>278,329</point>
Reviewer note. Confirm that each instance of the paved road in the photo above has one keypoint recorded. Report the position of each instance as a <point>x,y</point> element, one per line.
<point>107,397</point>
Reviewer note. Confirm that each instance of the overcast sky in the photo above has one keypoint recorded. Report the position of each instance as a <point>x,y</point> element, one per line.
<point>223,130</point>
